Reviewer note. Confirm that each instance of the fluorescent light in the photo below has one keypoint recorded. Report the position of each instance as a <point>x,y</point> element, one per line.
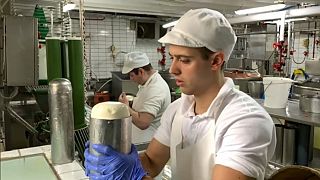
<point>173,23</point>
<point>260,9</point>
<point>296,19</point>
<point>287,20</point>
<point>68,7</point>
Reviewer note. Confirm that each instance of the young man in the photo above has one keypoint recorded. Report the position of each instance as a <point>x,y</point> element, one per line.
<point>152,99</point>
<point>213,131</point>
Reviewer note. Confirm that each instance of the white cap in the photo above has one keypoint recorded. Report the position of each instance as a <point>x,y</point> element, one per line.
<point>203,28</point>
<point>134,60</point>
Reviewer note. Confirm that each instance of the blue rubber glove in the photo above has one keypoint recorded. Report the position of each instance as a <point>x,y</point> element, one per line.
<point>112,164</point>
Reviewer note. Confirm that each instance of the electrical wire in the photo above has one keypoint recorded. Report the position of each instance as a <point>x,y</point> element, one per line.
<point>304,59</point>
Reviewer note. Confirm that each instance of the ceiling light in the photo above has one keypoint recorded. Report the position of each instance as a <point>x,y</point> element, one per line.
<point>274,7</point>
<point>297,19</point>
<point>69,7</point>
<point>173,23</point>
<point>287,20</point>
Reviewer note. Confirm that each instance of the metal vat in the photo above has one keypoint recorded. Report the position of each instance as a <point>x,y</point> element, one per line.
<point>309,103</point>
<point>110,124</point>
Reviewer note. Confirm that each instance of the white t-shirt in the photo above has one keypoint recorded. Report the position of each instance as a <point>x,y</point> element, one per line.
<point>153,97</point>
<point>244,135</point>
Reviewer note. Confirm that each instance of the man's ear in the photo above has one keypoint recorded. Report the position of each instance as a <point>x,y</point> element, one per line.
<point>217,60</point>
<point>140,70</point>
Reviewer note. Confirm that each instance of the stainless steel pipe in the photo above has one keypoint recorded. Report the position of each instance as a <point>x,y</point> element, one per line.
<point>61,121</point>
<point>110,124</point>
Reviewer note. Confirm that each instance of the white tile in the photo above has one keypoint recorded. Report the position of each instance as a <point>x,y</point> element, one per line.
<point>9,154</point>
<point>76,175</point>
<point>30,151</point>
<point>46,148</point>
<point>48,156</point>
<point>69,167</point>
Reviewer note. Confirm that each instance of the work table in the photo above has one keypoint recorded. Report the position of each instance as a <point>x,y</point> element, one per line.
<point>293,113</point>
<point>69,171</point>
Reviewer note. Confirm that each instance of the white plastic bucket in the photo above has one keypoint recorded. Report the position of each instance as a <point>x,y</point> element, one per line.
<point>276,91</point>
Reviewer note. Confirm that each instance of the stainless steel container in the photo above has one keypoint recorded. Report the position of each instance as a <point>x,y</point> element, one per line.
<point>289,150</point>
<point>61,121</point>
<point>110,124</point>
<point>277,156</point>
<point>309,103</point>
<point>305,88</point>
<point>255,89</point>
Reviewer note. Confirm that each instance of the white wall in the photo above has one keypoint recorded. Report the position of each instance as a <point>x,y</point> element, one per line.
<point>102,34</point>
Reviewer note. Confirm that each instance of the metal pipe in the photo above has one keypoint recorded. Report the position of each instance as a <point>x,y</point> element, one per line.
<point>61,121</point>
<point>288,63</point>
<point>19,119</point>
<point>314,40</point>
<point>282,26</point>
<point>51,19</point>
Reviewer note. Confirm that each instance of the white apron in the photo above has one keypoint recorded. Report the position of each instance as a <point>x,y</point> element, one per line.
<point>196,161</point>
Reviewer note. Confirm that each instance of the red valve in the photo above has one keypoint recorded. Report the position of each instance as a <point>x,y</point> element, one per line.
<point>162,51</point>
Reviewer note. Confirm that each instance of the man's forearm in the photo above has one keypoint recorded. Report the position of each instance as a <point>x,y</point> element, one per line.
<point>148,166</point>
<point>141,119</point>
<point>134,114</point>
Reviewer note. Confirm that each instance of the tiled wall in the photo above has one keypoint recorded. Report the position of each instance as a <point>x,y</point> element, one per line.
<point>113,30</point>
<point>299,48</point>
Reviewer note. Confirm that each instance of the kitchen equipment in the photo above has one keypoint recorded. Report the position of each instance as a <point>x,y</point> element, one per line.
<point>255,89</point>
<point>296,172</point>
<point>242,77</point>
<point>276,91</point>
<point>289,150</point>
<point>277,156</point>
<point>309,103</point>
<point>110,124</point>
<point>122,83</point>
<point>101,97</point>
<point>61,121</point>
<point>169,78</point>
<point>306,88</point>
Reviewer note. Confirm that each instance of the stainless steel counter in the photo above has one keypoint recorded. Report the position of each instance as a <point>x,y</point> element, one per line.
<point>293,113</point>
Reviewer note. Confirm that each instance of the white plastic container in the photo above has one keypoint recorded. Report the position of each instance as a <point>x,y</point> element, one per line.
<point>276,91</point>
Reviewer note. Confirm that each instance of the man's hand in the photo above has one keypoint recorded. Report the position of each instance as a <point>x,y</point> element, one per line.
<point>123,98</point>
<point>111,164</point>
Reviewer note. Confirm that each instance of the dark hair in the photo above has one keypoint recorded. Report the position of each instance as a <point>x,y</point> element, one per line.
<point>147,67</point>
<point>205,53</point>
